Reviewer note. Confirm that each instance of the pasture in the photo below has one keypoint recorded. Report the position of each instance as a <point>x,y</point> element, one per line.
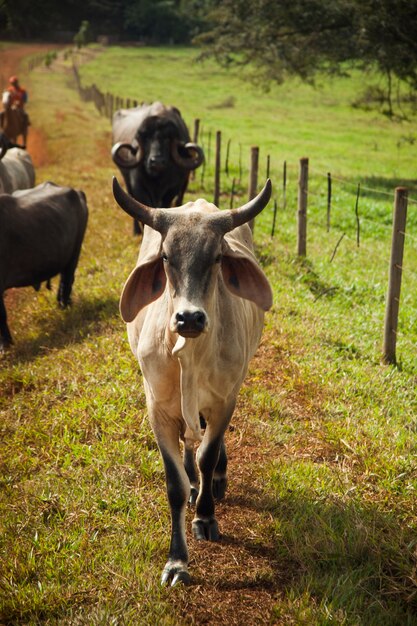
<point>319,523</point>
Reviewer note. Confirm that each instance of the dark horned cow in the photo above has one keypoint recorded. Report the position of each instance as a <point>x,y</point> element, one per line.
<point>194,307</point>
<point>152,149</point>
<point>6,144</point>
<point>41,232</point>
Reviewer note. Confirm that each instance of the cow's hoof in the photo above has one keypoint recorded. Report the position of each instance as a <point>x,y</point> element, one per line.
<point>206,529</point>
<point>193,496</point>
<point>219,488</point>
<point>175,572</point>
<point>5,345</point>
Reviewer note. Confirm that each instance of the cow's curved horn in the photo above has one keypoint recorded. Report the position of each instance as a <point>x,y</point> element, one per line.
<point>228,220</point>
<point>133,207</point>
<point>251,209</point>
<point>193,160</point>
<point>120,149</point>
<point>147,215</point>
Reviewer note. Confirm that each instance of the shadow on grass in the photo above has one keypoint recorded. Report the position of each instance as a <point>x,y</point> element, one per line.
<point>320,559</point>
<point>85,317</point>
<point>387,185</point>
<point>350,556</point>
<point>378,187</point>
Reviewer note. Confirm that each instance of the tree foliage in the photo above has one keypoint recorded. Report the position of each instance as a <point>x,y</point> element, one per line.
<point>280,38</point>
<point>274,38</point>
<point>163,20</point>
<point>83,36</point>
<point>156,21</point>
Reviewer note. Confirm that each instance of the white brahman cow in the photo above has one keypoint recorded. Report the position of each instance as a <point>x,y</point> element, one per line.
<point>194,307</point>
<point>16,167</point>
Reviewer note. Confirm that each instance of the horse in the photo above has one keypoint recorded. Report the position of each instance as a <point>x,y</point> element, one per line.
<point>13,120</point>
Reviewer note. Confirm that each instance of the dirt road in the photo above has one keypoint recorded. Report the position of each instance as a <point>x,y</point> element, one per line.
<point>11,63</point>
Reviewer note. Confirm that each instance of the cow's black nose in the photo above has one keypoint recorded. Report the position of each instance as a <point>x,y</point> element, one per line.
<point>191,323</point>
<point>157,163</point>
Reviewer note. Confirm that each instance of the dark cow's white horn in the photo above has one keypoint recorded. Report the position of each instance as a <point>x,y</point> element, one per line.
<point>128,163</point>
<point>193,160</point>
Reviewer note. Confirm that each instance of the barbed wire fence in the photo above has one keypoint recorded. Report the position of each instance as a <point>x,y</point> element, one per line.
<point>395,265</point>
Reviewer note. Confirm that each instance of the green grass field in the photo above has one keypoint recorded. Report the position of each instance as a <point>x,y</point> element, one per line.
<point>319,526</point>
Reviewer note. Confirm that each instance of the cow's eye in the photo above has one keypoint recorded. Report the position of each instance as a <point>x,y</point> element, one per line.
<point>164,256</point>
<point>218,258</point>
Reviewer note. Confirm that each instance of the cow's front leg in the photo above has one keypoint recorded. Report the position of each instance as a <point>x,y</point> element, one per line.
<point>220,474</point>
<point>5,336</point>
<point>205,524</point>
<point>178,491</point>
<point>191,470</point>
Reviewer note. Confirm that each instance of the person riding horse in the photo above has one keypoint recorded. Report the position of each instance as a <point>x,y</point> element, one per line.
<point>13,119</point>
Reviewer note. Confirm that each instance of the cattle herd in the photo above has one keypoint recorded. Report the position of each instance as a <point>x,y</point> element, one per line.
<point>194,304</point>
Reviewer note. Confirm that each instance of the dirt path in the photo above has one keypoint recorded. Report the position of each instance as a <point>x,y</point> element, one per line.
<point>11,63</point>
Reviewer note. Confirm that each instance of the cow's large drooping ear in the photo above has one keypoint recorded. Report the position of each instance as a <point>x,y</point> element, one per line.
<point>144,285</point>
<point>244,278</point>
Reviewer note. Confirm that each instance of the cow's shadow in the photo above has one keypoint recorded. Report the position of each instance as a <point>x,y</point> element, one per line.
<point>341,551</point>
<point>84,318</point>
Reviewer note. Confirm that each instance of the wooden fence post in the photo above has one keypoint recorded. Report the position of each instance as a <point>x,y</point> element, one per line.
<point>253,178</point>
<point>196,130</point>
<point>111,106</point>
<point>329,199</point>
<point>284,186</point>
<point>195,140</point>
<point>302,208</point>
<point>274,218</point>
<point>226,163</point>
<point>358,222</point>
<point>217,168</point>
<point>395,275</point>
<point>232,193</point>
<point>209,148</point>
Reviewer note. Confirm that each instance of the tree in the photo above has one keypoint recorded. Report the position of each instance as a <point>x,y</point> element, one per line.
<point>83,36</point>
<point>25,19</point>
<point>164,21</point>
<point>158,21</point>
<point>302,37</point>
<point>387,37</point>
<point>280,38</point>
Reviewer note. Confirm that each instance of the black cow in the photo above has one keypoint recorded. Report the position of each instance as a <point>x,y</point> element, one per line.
<point>152,149</point>
<point>6,144</point>
<point>41,232</point>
